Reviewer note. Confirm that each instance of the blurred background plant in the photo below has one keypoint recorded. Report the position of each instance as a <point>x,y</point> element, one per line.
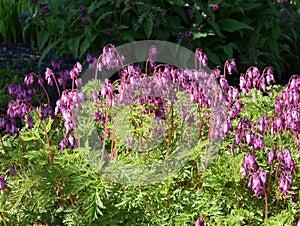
<point>10,28</point>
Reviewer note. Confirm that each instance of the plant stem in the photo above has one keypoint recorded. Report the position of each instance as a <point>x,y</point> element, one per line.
<point>266,202</point>
<point>47,137</point>
<point>151,209</point>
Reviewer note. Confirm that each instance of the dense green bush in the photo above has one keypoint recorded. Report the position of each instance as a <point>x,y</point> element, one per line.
<point>10,27</point>
<point>260,32</point>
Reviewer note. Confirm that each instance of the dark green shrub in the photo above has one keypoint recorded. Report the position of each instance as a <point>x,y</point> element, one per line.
<point>259,32</point>
<point>10,28</point>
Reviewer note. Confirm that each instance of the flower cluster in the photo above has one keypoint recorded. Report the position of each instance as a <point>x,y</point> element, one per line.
<point>70,101</point>
<point>202,57</point>
<point>43,9</point>
<point>253,79</point>
<point>288,167</point>
<point>110,58</point>
<point>91,60</point>
<point>83,15</point>
<point>258,177</point>
<point>251,134</point>
<point>2,183</point>
<point>287,108</point>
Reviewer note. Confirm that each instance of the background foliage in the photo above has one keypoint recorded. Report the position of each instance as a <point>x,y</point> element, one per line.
<point>261,32</point>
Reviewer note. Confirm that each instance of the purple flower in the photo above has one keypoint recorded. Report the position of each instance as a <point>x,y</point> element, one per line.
<point>237,137</point>
<point>270,77</point>
<point>31,92</point>
<point>78,82</point>
<point>46,112</point>
<point>239,105</point>
<point>30,122</point>
<point>12,170</point>
<point>69,101</point>
<point>286,181</point>
<point>293,84</point>
<point>107,132</point>
<point>289,164</point>
<point>2,123</point>
<point>215,7</point>
<point>63,78</point>
<point>249,138</point>
<point>56,64</point>
<point>152,53</point>
<point>242,82</point>
<point>58,193</point>
<point>188,34</point>
<point>199,222</point>
<point>234,113</point>
<point>22,17</point>
<point>257,182</point>
<point>281,157</point>
<point>278,104</point>
<point>278,124</point>
<point>11,129</point>
<point>262,124</point>
<point>190,119</point>
<point>259,143</point>
<point>63,144</point>
<point>49,76</point>
<point>72,141</point>
<point>182,112</point>
<point>202,57</point>
<point>217,72</point>
<point>227,127</point>
<point>250,164</point>
<point>231,67</point>
<point>154,25</point>
<point>272,156</point>
<point>15,90</point>
<point>40,81</point>
<point>91,60</point>
<point>2,183</point>
<point>81,8</point>
<point>224,84</point>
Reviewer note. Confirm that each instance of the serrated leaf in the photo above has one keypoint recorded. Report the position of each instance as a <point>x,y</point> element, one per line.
<point>28,136</point>
<point>48,126</point>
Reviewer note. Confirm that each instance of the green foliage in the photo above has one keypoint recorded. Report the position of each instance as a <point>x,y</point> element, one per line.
<point>259,32</point>
<point>9,25</point>
<point>263,33</point>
